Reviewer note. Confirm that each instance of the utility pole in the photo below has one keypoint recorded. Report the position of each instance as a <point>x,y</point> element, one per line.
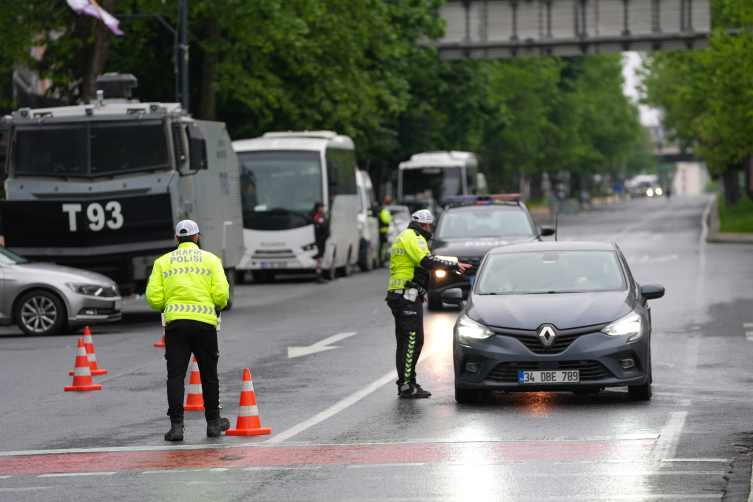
<point>184,51</point>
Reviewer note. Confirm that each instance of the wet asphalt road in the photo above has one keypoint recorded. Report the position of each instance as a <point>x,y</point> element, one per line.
<point>340,433</point>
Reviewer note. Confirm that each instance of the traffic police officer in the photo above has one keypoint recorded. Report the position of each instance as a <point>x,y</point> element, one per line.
<point>385,217</point>
<point>410,263</point>
<point>189,286</point>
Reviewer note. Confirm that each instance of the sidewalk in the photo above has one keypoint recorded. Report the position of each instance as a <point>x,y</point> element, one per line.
<point>717,237</point>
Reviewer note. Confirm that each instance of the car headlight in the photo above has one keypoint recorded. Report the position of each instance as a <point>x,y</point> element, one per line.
<point>448,258</point>
<point>468,328</point>
<point>630,325</point>
<point>87,289</point>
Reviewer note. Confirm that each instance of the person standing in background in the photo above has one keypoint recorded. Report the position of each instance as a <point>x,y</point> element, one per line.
<point>321,234</point>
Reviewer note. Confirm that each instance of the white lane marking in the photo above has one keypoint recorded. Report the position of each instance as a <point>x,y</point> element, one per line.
<point>26,489</point>
<point>393,464</point>
<point>4,477</point>
<point>666,445</point>
<point>704,221</point>
<point>338,407</point>
<point>281,467</point>
<point>748,325</point>
<point>66,474</point>
<point>696,460</point>
<point>319,346</point>
<point>749,335</point>
<point>173,471</point>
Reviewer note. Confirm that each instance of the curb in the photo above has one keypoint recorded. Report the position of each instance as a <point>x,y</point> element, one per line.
<point>714,236</point>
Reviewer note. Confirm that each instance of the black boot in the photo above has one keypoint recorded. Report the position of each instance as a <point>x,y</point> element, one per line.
<point>413,391</point>
<point>176,431</point>
<point>216,425</point>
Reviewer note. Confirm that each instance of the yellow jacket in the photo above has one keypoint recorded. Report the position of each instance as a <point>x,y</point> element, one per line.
<point>188,284</point>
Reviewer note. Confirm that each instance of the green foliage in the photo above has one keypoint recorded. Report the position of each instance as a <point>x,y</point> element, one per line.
<point>737,218</point>
<point>358,68</point>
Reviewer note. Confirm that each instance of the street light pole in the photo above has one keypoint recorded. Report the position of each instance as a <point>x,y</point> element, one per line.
<point>184,50</point>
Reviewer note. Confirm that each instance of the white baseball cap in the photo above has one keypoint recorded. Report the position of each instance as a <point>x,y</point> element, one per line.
<point>186,228</point>
<point>423,216</point>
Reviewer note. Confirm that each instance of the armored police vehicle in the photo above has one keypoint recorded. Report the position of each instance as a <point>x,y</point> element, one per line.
<point>102,186</point>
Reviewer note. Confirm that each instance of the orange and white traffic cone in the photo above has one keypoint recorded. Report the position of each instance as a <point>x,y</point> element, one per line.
<point>82,377</point>
<point>90,355</point>
<point>248,415</point>
<point>162,343</point>
<point>195,399</point>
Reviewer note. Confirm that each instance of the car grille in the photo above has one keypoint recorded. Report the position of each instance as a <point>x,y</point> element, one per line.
<point>564,338</point>
<point>589,370</point>
<point>473,261</point>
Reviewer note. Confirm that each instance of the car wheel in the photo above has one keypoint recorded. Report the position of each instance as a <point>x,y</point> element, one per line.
<point>642,392</point>
<point>469,396</point>
<point>435,304</point>
<point>40,312</point>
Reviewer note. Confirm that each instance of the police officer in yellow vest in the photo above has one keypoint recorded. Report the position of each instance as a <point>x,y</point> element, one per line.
<point>189,286</point>
<point>410,263</point>
<point>385,217</point>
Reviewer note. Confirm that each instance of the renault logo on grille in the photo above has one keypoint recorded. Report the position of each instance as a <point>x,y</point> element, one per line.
<point>547,335</point>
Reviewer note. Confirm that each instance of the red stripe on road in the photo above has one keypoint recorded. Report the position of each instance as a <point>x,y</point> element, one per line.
<point>327,455</point>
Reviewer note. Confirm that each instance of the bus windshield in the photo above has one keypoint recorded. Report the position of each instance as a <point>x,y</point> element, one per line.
<point>279,188</point>
<point>89,149</point>
<point>431,182</point>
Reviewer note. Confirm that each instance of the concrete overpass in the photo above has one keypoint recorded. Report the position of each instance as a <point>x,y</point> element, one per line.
<point>496,29</point>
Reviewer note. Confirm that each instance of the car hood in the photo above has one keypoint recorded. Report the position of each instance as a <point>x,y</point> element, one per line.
<point>563,310</point>
<point>59,272</point>
<point>476,246</point>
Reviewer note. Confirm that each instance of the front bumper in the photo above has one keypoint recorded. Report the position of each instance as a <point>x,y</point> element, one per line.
<point>596,355</point>
<point>85,310</point>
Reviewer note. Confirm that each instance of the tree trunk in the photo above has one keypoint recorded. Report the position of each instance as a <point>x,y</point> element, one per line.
<point>731,180</point>
<point>536,192</point>
<point>95,63</point>
<point>208,105</point>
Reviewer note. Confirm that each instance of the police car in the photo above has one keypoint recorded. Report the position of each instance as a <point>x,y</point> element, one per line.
<point>469,227</point>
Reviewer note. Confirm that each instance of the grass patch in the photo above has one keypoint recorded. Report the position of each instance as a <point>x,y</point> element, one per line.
<point>738,218</point>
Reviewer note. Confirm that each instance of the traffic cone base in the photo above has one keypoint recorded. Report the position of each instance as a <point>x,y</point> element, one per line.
<point>82,377</point>
<point>248,423</point>
<point>90,355</point>
<point>162,343</point>
<point>195,398</point>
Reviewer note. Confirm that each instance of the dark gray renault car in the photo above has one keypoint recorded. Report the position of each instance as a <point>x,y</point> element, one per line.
<point>553,316</point>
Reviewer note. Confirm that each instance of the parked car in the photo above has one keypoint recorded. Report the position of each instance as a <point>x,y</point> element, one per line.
<point>44,298</point>
<point>553,316</point>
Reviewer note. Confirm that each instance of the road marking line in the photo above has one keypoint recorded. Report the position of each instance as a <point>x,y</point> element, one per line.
<point>172,471</point>
<point>696,460</point>
<point>394,464</point>
<point>65,474</point>
<point>666,445</point>
<point>319,346</point>
<point>748,325</point>
<point>128,449</point>
<point>338,407</point>
<point>4,477</point>
<point>282,467</point>
<point>749,335</point>
<point>25,489</point>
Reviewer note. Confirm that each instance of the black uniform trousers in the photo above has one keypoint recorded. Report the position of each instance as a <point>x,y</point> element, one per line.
<point>409,334</point>
<point>184,337</point>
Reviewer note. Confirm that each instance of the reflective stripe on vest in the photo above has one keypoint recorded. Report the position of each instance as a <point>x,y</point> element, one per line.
<point>186,270</point>
<point>182,307</point>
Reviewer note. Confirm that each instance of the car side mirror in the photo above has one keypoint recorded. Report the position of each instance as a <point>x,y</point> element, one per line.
<point>453,296</point>
<point>546,230</point>
<point>652,291</point>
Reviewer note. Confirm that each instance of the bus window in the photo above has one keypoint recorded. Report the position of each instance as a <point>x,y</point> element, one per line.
<point>344,163</point>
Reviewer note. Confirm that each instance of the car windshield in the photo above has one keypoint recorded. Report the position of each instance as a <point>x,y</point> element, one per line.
<point>484,221</point>
<point>10,258</point>
<point>93,148</point>
<point>431,182</point>
<point>550,272</point>
<point>279,188</point>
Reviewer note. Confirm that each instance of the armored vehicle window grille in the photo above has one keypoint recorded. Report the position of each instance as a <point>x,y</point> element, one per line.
<point>180,147</point>
<point>589,370</point>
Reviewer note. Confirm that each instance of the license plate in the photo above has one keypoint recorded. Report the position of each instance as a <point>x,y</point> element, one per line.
<point>556,376</point>
<point>117,305</point>
<point>274,264</point>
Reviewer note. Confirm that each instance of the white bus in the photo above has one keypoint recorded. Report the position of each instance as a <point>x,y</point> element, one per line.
<point>282,175</point>
<point>438,175</point>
